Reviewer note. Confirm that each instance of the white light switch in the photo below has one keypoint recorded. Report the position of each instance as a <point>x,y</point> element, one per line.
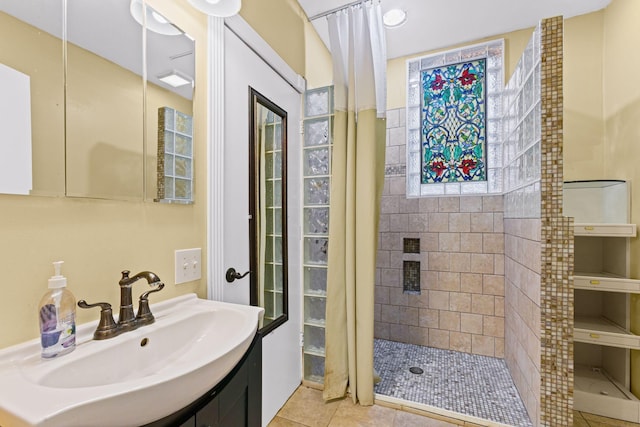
<point>188,265</point>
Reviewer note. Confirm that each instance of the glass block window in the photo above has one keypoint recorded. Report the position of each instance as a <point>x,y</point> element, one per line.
<point>454,121</point>
<point>316,167</point>
<point>522,135</point>
<point>175,156</point>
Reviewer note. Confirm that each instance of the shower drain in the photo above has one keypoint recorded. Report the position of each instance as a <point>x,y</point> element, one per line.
<point>416,370</point>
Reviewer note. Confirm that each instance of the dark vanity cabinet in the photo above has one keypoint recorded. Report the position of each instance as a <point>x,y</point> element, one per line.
<point>234,402</point>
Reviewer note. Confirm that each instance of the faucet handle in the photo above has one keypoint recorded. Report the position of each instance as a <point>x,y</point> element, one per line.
<point>144,316</point>
<point>107,327</point>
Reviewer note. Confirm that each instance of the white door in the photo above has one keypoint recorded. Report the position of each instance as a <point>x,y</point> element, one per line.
<point>281,359</point>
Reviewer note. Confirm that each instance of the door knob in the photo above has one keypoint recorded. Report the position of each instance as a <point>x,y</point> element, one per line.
<point>232,275</point>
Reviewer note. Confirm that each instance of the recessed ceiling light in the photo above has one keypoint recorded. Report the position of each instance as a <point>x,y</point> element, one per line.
<point>394,18</point>
<point>175,79</point>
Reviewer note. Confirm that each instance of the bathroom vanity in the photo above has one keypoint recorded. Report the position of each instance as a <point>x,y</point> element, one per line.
<point>602,291</point>
<point>235,401</point>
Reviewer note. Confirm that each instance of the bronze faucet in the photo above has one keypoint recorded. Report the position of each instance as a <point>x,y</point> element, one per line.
<point>127,320</point>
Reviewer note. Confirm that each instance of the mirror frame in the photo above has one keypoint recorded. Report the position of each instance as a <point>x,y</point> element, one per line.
<point>255,99</point>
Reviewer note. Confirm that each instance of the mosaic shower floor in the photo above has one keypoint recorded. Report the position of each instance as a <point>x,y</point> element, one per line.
<point>469,384</point>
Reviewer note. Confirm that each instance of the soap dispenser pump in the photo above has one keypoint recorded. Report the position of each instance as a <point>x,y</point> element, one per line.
<point>57,317</point>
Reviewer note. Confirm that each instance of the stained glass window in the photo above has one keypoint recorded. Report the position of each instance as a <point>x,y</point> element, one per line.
<point>453,123</point>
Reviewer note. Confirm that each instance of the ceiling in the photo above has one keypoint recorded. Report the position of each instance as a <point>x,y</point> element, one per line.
<point>435,24</point>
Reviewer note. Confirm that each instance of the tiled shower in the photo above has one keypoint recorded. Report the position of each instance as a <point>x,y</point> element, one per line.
<point>477,282</point>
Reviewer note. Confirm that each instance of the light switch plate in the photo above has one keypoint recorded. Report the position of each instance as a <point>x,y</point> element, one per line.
<point>188,265</point>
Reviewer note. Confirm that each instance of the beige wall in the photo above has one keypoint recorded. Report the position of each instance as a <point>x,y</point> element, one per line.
<point>621,116</point>
<point>281,23</point>
<point>583,123</point>
<point>99,238</point>
<point>318,62</point>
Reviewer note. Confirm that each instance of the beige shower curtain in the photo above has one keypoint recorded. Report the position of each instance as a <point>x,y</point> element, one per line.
<point>357,46</point>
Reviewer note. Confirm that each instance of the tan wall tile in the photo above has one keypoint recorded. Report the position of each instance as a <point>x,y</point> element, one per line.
<point>439,261</point>
<point>418,336</point>
<point>471,282</point>
<point>428,280</point>
<point>460,302</point>
<point>493,284</point>
<point>460,341</point>
<point>482,345</point>
<point>390,276</point>
<point>493,326</point>
<point>460,222</point>
<point>499,350</point>
<point>438,300</point>
<point>439,222</point>
<point>482,263</point>
<point>482,304</point>
<point>449,320</point>
<point>460,262</point>
<point>471,242</point>
<point>471,204</point>
<point>398,297</point>
<point>449,281</point>
<point>493,243</point>
<point>492,204</point>
<point>389,204</point>
<point>428,204</point>
<point>471,323</point>
<point>389,313</point>
<point>499,306</point>
<point>381,295</point>
<point>448,204</point>
<point>381,330</point>
<point>481,222</point>
<point>399,332</point>
<point>498,264</point>
<point>399,223</point>
<point>449,242</point>
<point>411,205</point>
<point>418,222</point>
<point>398,184</point>
<point>428,242</point>
<point>410,316</point>
<point>439,338</point>
<point>429,318</point>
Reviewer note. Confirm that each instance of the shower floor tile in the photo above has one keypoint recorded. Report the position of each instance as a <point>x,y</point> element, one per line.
<point>469,384</point>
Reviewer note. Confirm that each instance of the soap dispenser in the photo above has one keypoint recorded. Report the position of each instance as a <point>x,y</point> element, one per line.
<point>57,317</point>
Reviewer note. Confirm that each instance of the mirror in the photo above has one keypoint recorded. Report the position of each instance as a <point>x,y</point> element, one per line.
<point>32,101</point>
<point>169,114</point>
<point>267,209</point>
<point>104,117</point>
<point>97,147</point>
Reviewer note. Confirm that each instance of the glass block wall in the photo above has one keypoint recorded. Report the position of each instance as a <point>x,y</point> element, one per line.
<point>318,110</point>
<point>175,156</point>
<point>521,134</point>
<point>493,52</point>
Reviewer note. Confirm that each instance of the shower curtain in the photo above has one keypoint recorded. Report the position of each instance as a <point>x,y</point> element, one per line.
<point>359,63</point>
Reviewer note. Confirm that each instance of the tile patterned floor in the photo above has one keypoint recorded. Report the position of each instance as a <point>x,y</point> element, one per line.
<point>305,408</point>
<point>478,386</point>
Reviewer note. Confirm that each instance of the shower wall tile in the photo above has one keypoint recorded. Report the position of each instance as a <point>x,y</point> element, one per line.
<point>461,260</point>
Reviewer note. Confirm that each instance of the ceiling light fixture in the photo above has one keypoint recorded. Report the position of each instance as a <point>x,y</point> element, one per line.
<point>175,79</point>
<point>394,18</point>
<point>220,8</point>
<point>155,21</point>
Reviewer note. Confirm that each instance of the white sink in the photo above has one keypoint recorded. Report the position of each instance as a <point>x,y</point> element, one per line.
<point>132,379</point>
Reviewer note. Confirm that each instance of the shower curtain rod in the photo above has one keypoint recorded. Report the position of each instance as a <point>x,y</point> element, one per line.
<point>338,9</point>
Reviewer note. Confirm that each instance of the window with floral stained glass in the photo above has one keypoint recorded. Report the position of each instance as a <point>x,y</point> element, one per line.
<point>453,123</point>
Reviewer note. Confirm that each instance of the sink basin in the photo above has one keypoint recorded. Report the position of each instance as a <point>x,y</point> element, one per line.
<point>131,379</point>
